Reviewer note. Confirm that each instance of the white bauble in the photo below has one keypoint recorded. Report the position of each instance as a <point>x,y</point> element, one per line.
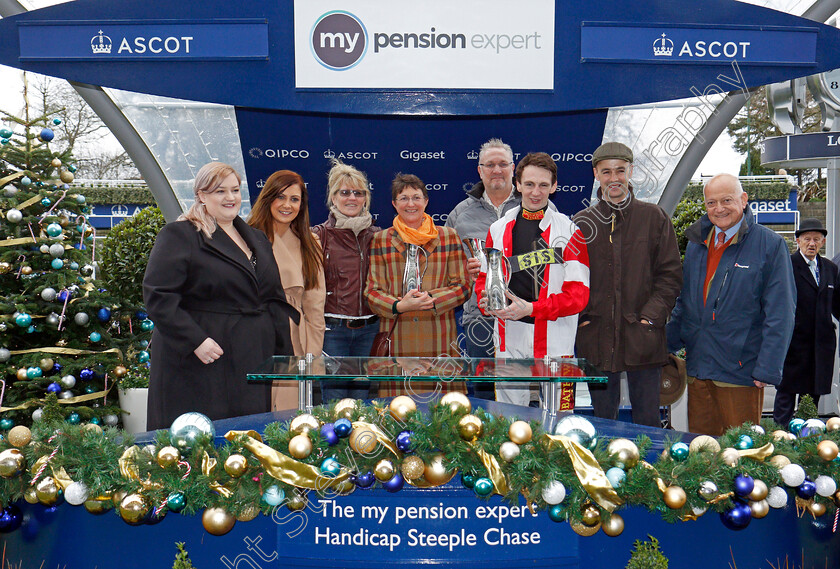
<point>793,474</point>
<point>777,497</point>
<point>554,493</point>
<point>76,494</point>
<point>826,486</point>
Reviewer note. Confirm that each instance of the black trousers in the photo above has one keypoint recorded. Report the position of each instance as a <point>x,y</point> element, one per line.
<point>785,404</point>
<point>644,386</point>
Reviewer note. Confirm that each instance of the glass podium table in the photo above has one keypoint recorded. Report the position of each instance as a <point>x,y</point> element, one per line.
<point>307,369</point>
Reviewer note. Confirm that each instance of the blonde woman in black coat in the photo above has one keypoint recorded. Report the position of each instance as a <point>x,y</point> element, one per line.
<point>213,290</point>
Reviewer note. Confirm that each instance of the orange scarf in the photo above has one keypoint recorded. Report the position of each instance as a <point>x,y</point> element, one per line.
<point>421,236</point>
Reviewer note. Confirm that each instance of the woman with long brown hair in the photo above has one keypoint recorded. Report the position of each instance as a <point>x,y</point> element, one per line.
<point>282,213</point>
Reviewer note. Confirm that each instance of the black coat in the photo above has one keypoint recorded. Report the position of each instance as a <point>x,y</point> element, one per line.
<point>809,364</point>
<point>195,288</point>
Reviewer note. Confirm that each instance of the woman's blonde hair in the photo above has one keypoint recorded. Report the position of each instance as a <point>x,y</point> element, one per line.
<point>342,173</point>
<point>209,177</point>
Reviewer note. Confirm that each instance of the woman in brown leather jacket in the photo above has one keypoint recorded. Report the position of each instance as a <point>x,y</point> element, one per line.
<point>346,237</point>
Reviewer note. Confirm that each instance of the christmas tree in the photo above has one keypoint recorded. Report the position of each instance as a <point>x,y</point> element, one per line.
<point>61,331</point>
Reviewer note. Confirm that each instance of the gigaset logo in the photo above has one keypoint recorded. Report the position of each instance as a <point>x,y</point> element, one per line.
<point>338,40</point>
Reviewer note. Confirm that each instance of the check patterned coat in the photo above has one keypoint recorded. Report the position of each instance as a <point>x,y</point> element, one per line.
<point>425,333</point>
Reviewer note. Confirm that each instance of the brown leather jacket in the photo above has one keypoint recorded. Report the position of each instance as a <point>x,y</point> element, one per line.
<point>346,265</point>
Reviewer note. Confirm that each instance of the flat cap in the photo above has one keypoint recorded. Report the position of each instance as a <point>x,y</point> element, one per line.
<point>612,151</point>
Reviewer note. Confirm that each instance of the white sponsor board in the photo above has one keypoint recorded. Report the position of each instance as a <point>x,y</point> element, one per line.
<point>434,44</point>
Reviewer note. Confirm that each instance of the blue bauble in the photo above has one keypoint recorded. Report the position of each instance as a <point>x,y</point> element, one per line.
<point>46,134</point>
<point>147,325</point>
<point>176,502</point>
<point>74,266</point>
<point>72,168</point>
<point>273,495</point>
<point>806,490</point>
<point>46,202</point>
<point>5,133</point>
<point>56,122</point>
<point>73,418</point>
<point>10,518</point>
<point>143,344</point>
<point>89,389</point>
<point>25,181</point>
<point>34,372</point>
<point>23,320</point>
<point>57,264</point>
<point>95,421</point>
<point>738,517</point>
<point>141,315</point>
<point>395,484</point>
<point>468,480</point>
<point>104,314</point>
<point>56,368</point>
<point>364,479</point>
<point>744,442</point>
<point>54,230</point>
<point>152,519</point>
<point>328,432</point>
<point>795,425</point>
<point>86,374</point>
<point>483,486</point>
<point>32,329</point>
<point>556,513</point>
<point>743,485</point>
<point>63,295</point>
<point>6,424</point>
<point>4,141</point>
<point>343,427</point>
<point>80,198</point>
<point>53,388</point>
<point>616,476</point>
<point>95,337</point>
<point>330,467</point>
<point>679,451</point>
<point>404,441</point>
<point>143,356</point>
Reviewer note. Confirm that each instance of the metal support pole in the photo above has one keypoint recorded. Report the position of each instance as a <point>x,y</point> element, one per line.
<point>832,212</point>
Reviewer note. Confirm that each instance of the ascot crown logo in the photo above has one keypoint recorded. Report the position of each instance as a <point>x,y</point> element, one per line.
<point>100,44</point>
<point>339,40</point>
<point>329,154</point>
<point>663,47</point>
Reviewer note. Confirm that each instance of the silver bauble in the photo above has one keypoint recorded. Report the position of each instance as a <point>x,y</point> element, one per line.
<point>81,318</point>
<point>5,355</point>
<point>708,490</point>
<point>52,319</point>
<point>10,191</point>
<point>66,394</point>
<point>193,419</point>
<point>111,420</point>
<point>57,250</point>
<point>14,215</point>
<point>68,381</point>
<point>3,326</point>
<point>578,429</point>
<point>36,414</point>
<point>48,294</point>
<point>76,494</point>
<point>45,249</point>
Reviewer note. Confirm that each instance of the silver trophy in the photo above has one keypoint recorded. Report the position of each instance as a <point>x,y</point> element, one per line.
<point>496,283</point>
<point>412,276</point>
<point>476,247</point>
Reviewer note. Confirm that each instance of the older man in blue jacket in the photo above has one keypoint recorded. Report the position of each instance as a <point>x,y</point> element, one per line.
<point>735,313</point>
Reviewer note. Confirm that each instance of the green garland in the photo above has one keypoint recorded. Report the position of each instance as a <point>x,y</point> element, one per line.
<point>89,455</point>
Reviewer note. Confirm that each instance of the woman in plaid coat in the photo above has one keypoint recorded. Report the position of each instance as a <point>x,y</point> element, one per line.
<point>425,324</point>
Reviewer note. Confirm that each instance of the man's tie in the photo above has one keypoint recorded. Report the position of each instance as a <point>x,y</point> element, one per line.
<point>721,239</point>
<point>815,270</point>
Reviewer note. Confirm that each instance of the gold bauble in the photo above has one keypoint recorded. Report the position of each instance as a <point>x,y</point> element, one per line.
<point>12,463</point>
<point>217,521</point>
<point>46,364</point>
<point>674,497</point>
<point>704,443</point>
<point>470,427</point>
<point>817,508</point>
<point>384,470</point>
<point>759,491</point>
<point>30,496</point>
<point>412,467</point>
<point>26,270</point>
<point>520,432</point>
<point>21,374</point>
<point>168,456</point>
<point>836,498</point>
<point>302,424</point>
<point>401,406</point>
<point>66,176</point>
<point>759,508</point>
<point>508,451</point>
<point>99,505</point>
<point>613,526</point>
<point>832,424</point>
<point>236,465</point>
<point>590,515</point>
<point>296,502</point>
<point>584,530</point>
<point>56,162</point>
<point>457,402</point>
<point>134,508</point>
<point>248,513</point>
<point>117,497</point>
<point>19,436</point>
<point>47,491</point>
<point>93,427</point>
<point>623,453</point>
<point>5,267</point>
<point>827,450</point>
<point>363,440</point>
<point>120,371</point>
<point>300,446</point>
<point>730,456</point>
<point>436,472</point>
<point>344,487</point>
<point>779,461</point>
<point>344,409</point>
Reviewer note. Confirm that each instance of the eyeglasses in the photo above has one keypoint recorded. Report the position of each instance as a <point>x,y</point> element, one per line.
<point>406,199</point>
<point>355,193</point>
<point>494,165</point>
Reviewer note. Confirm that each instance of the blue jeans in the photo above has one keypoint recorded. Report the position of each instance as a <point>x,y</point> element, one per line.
<point>343,341</point>
<point>478,339</point>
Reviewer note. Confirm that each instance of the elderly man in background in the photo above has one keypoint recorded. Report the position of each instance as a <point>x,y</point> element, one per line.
<point>735,313</point>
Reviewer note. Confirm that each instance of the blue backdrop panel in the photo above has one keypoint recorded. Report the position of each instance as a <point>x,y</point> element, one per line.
<point>579,83</point>
<point>443,151</point>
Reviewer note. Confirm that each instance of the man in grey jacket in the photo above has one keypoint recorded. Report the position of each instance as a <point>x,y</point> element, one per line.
<point>486,202</point>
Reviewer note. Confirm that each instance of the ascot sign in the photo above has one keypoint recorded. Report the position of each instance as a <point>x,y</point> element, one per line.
<point>430,45</point>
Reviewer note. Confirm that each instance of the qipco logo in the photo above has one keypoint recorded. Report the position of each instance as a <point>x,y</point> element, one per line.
<point>339,40</point>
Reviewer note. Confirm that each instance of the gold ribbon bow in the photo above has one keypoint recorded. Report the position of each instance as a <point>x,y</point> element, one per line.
<point>494,471</point>
<point>759,453</point>
<point>208,464</point>
<point>589,473</point>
